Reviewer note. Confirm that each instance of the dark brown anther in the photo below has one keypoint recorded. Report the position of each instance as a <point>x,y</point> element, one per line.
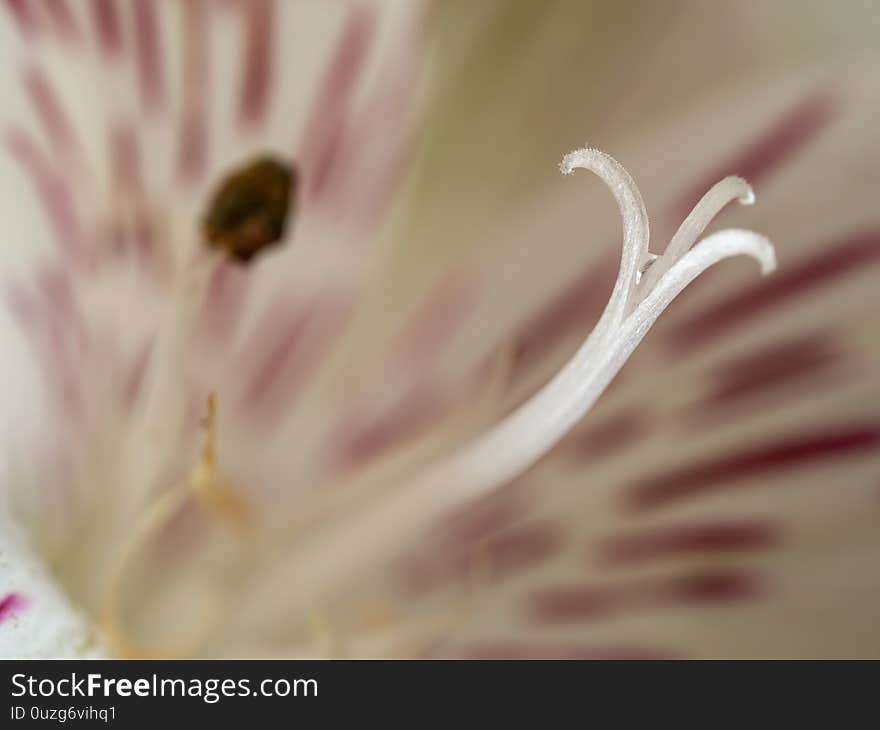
<point>249,210</point>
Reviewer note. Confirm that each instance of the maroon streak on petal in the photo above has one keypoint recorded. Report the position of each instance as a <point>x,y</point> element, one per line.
<point>585,604</point>
<point>577,604</point>
<point>106,21</point>
<point>281,376</point>
<point>55,287</point>
<point>54,193</point>
<point>23,13</point>
<point>52,299</point>
<point>49,110</point>
<point>191,149</point>
<point>325,131</point>
<point>126,157</point>
<point>579,307</point>
<point>386,181</point>
<point>385,175</point>
<point>500,556</point>
<point>148,53</point>
<point>771,366</point>
<point>381,138</point>
<point>11,604</point>
<point>54,338</point>
<point>437,320</point>
<point>256,77</point>
<point>833,261</point>
<point>145,244</point>
<point>689,539</point>
<point>522,547</point>
<point>330,319</point>
<point>607,437</point>
<point>61,18</point>
<point>62,365</point>
<point>278,350</point>
<point>773,148</point>
<point>193,136</point>
<point>64,334</point>
<point>719,586</point>
<point>134,378</point>
<point>20,303</point>
<point>320,169</point>
<point>407,420</point>
<point>458,534</point>
<point>482,518</point>
<point>519,649</point>
<point>733,470</point>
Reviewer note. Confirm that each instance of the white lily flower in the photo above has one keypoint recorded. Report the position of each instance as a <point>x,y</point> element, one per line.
<point>289,457</point>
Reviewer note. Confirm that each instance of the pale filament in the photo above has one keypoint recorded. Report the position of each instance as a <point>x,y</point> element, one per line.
<point>204,484</point>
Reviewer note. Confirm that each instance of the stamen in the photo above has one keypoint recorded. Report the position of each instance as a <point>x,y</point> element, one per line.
<point>249,211</point>
<point>205,485</point>
<point>116,638</point>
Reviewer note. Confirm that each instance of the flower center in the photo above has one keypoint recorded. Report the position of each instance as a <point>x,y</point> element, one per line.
<point>247,214</point>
